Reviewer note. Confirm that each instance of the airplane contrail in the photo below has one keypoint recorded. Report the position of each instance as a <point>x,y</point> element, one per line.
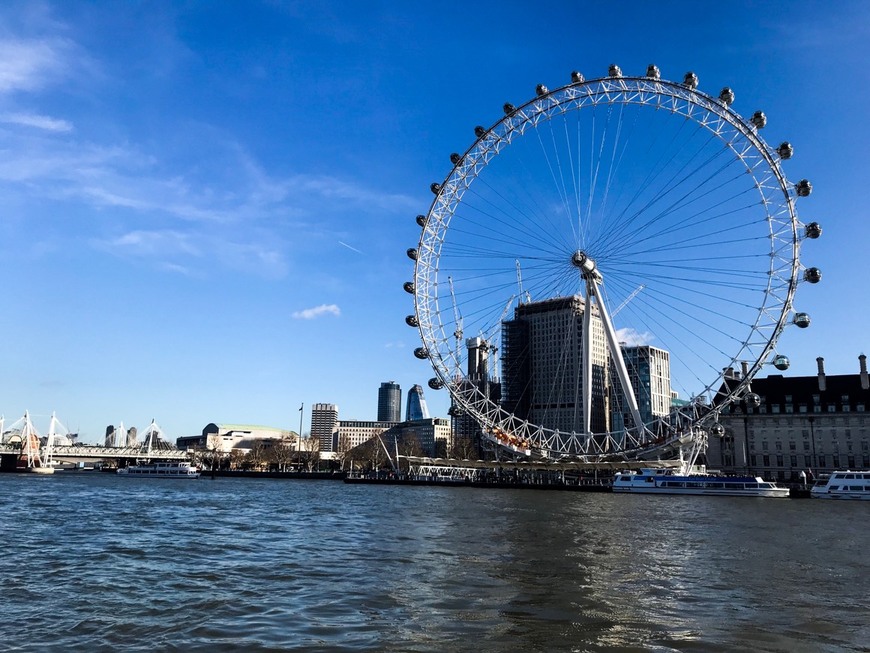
<point>354,249</point>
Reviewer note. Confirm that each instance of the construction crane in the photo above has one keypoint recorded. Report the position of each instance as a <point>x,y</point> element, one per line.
<point>520,284</point>
<point>631,296</point>
<point>457,316</point>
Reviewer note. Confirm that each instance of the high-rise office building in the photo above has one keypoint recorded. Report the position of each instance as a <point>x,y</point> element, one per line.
<point>542,356</point>
<point>389,402</point>
<point>416,408</point>
<point>466,429</point>
<point>649,371</point>
<point>324,423</point>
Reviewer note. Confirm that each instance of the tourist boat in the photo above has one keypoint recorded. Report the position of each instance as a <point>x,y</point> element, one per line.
<point>667,481</point>
<point>175,469</point>
<point>843,485</point>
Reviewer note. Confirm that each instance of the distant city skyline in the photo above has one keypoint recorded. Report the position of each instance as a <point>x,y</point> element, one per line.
<point>206,207</point>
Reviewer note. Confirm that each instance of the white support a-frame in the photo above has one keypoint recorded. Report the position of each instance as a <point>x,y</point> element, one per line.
<point>592,276</point>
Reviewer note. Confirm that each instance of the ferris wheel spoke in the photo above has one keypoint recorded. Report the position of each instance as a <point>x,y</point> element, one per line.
<point>688,197</point>
<point>706,217</point>
<point>682,175</point>
<point>516,219</point>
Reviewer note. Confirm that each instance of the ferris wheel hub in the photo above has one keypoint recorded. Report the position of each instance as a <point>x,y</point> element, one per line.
<point>581,260</point>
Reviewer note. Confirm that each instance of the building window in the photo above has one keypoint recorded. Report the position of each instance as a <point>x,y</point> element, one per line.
<point>851,461</point>
<point>789,408</point>
<point>802,408</point>
<point>792,446</point>
<point>766,461</point>
<point>832,408</point>
<point>821,460</point>
<point>793,461</point>
<point>779,446</point>
<point>808,461</point>
<point>779,461</point>
<point>764,446</point>
<point>775,408</point>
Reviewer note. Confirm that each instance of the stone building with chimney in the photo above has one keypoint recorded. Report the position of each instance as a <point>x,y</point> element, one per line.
<point>811,424</point>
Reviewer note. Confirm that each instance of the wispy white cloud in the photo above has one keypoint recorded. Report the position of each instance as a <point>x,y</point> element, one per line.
<point>176,251</point>
<point>203,192</point>
<point>35,120</point>
<point>26,65</point>
<point>633,338</point>
<point>317,311</point>
<point>161,244</point>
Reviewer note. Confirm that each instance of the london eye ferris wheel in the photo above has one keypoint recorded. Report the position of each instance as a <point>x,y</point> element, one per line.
<point>605,243</point>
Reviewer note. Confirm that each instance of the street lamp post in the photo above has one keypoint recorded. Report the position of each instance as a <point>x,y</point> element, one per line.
<point>299,439</point>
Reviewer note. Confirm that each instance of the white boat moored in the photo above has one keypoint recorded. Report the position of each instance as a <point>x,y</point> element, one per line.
<point>666,481</point>
<point>845,484</point>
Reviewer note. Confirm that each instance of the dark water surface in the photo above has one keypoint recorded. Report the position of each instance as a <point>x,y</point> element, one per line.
<point>93,562</point>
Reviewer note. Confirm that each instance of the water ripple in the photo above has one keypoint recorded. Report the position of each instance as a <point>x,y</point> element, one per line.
<point>101,563</point>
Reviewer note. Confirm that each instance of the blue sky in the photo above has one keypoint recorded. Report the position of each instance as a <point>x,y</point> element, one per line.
<point>204,207</point>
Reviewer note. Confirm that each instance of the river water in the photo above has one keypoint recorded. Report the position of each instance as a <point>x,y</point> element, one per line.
<point>94,562</point>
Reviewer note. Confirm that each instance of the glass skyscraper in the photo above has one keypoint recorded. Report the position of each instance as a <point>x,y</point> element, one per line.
<point>390,402</point>
<point>417,408</point>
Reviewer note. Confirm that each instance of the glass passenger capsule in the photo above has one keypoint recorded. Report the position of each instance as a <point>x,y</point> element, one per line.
<point>813,230</point>
<point>803,188</point>
<point>812,275</point>
<point>785,150</point>
<point>801,320</point>
<point>436,383</point>
<point>409,287</point>
<point>577,77</point>
<point>690,80</point>
<point>758,119</point>
<point>781,362</point>
<point>412,253</point>
<point>411,321</point>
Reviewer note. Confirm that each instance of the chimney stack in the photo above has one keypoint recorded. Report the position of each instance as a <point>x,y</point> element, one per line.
<point>865,382</point>
<point>822,383</point>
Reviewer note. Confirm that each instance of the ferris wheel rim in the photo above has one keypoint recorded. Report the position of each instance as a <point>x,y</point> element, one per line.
<point>715,115</point>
